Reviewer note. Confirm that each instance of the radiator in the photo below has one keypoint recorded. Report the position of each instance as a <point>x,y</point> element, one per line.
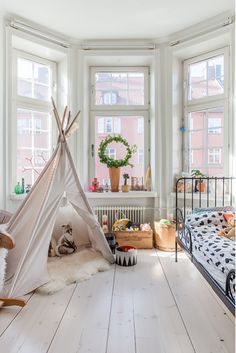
<point>134,213</point>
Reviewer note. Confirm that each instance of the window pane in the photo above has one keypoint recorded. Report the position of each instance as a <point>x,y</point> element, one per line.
<point>119,88</point>
<point>197,80</point>
<point>128,128</point>
<point>216,75</point>
<point>206,78</point>
<point>33,143</point>
<point>33,80</point>
<point>205,148</point>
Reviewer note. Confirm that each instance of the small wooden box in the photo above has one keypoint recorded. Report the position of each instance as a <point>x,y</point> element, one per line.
<point>164,236</point>
<point>139,239</point>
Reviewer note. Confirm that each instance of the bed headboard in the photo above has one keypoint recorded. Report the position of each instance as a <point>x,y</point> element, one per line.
<point>198,192</point>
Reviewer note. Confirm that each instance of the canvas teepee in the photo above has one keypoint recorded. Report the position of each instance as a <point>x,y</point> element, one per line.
<point>33,223</point>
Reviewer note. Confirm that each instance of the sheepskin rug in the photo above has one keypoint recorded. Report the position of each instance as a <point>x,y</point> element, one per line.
<point>76,267</point>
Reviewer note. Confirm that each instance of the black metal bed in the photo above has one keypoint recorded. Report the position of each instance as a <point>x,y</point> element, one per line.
<point>218,192</point>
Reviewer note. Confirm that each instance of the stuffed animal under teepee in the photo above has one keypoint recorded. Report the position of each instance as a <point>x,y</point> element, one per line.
<point>66,244</point>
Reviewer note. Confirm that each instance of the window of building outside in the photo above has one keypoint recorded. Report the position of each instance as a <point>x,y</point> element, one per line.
<point>206,116</point>
<point>214,155</point>
<point>32,90</point>
<point>120,105</point>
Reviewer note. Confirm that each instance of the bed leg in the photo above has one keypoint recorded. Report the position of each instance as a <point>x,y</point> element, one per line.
<point>176,251</point>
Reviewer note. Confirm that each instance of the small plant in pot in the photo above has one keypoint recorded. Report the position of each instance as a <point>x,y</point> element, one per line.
<point>199,184</point>
<point>125,187</point>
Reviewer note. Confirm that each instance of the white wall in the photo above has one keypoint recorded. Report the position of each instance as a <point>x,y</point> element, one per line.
<point>2,181</point>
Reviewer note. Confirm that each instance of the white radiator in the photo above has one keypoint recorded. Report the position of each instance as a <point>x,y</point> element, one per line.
<point>134,213</point>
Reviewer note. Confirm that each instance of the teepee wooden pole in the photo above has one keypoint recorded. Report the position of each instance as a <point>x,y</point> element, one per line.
<point>68,129</point>
<point>68,120</point>
<point>64,117</point>
<point>57,118</point>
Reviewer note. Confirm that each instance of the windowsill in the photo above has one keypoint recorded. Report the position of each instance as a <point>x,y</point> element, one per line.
<point>17,197</point>
<point>102,195</point>
<point>120,195</point>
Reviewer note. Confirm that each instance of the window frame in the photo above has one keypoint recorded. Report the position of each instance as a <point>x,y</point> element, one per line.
<point>95,69</point>
<point>220,100</point>
<point>28,103</point>
<point>119,110</point>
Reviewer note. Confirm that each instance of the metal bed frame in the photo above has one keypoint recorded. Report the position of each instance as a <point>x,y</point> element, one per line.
<point>183,233</point>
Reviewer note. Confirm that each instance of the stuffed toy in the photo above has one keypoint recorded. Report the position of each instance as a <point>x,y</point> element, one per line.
<point>120,224</point>
<point>66,244</point>
<point>145,227</point>
<point>229,232</point>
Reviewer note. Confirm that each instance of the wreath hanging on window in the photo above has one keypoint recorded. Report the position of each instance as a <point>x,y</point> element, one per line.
<point>111,162</point>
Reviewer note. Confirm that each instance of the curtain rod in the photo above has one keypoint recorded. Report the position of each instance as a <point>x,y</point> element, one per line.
<point>229,20</point>
<point>118,46</point>
<point>27,28</point>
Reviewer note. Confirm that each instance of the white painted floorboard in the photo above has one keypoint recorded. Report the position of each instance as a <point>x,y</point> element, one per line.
<point>157,306</point>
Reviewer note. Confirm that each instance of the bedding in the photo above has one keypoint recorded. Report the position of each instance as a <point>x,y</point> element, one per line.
<point>216,253</point>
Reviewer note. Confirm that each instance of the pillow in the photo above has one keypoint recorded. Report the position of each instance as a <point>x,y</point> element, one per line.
<point>206,219</point>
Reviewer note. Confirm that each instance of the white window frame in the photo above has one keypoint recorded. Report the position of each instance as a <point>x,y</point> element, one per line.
<point>220,100</point>
<point>135,110</point>
<point>28,103</point>
<point>117,69</point>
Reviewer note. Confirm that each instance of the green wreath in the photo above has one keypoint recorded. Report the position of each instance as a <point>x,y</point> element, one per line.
<point>111,162</point>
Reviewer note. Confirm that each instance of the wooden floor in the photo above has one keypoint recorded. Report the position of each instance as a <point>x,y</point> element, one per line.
<point>157,306</point>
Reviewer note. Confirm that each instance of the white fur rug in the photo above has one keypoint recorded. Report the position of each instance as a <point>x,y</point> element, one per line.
<point>76,267</point>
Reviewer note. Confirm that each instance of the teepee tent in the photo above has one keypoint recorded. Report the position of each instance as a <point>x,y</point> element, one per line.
<point>33,223</point>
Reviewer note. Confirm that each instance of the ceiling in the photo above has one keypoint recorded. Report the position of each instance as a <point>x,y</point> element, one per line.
<point>110,19</point>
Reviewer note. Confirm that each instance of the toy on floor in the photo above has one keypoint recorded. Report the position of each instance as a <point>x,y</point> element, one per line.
<point>105,223</point>
<point>145,227</point>
<point>229,232</point>
<point>120,224</point>
<point>66,244</point>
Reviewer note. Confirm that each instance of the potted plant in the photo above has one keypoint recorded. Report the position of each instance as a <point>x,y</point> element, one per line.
<point>115,164</point>
<point>125,187</point>
<point>199,184</point>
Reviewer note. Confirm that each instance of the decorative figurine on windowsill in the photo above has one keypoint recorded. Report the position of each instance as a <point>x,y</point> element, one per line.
<point>125,187</point>
<point>28,188</point>
<point>95,184</point>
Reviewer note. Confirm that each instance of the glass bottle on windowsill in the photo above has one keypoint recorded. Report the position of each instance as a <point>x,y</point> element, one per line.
<point>22,185</point>
<point>18,188</point>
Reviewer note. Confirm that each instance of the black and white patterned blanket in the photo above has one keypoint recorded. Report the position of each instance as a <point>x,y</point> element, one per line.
<point>217,251</point>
